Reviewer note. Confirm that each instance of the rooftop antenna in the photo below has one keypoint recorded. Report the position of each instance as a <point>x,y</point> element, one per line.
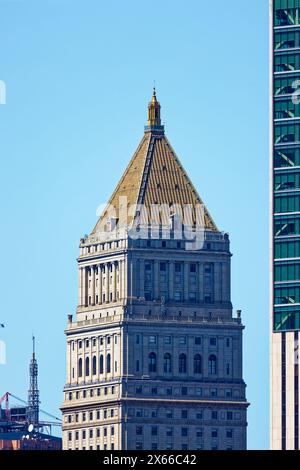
<point>33,392</point>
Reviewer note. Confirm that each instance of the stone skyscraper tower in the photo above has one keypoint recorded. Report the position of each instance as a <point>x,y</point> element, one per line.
<point>154,357</point>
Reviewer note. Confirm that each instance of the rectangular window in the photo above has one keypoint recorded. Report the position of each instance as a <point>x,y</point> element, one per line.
<point>184,432</point>
<point>163,267</point>
<point>184,391</point>
<point>182,340</point>
<point>184,414</point>
<point>152,339</point>
<point>198,340</point>
<point>178,267</point>
<point>153,430</point>
<point>213,341</point>
<point>139,430</point>
<point>177,296</point>
<point>192,268</point>
<point>168,339</point>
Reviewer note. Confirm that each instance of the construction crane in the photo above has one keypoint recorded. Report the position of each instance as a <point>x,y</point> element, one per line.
<point>7,413</point>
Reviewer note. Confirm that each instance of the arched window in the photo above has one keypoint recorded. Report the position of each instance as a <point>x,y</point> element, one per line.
<point>108,366</point>
<point>152,362</point>
<point>101,368</point>
<point>182,364</point>
<point>94,365</point>
<point>80,368</point>
<point>212,364</point>
<point>87,366</point>
<point>167,363</point>
<point>197,364</point>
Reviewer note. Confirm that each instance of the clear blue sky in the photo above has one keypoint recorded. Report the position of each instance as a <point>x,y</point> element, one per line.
<point>79,75</point>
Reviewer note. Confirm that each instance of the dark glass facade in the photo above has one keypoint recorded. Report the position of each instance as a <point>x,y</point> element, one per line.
<point>286,164</point>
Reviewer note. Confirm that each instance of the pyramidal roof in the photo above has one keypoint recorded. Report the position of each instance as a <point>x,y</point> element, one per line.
<point>154,176</point>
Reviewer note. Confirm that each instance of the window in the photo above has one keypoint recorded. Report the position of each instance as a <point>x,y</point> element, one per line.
<point>87,366</point>
<point>154,446</point>
<point>137,339</point>
<point>169,391</point>
<point>83,434</point>
<point>197,364</point>
<point>192,297</point>
<point>177,296</point>
<point>153,430</point>
<point>98,414</point>
<point>229,415</point>
<point>168,340</point>
<point>112,431</point>
<point>94,365</point>
<point>167,363</point>
<point>169,432</point>
<point>152,339</point>
<point>108,365</point>
<point>228,392</point>
<point>80,367</point>
<point>213,392</point>
<point>227,369</point>
<point>192,268</point>
<point>105,390</point>
<point>169,414</point>
<point>104,414</point>
<point>138,390</point>
<point>214,433</point>
<point>182,364</point>
<point>183,391</point>
<point>182,340</point>
<point>152,362</point>
<point>98,432</point>
<point>213,341</point>
<point>198,340</point>
<point>91,433</point>
<point>137,366</point>
<point>199,415</point>
<point>177,267</point>
<point>163,267</point>
<point>101,368</point>
<point>76,435</point>
<point>91,416</point>
<point>139,430</point>
<point>101,341</point>
<point>227,342</point>
<point>184,432</point>
<point>214,415</point>
<point>199,432</point>
<point>154,391</point>
<point>229,433</point>
<point>79,344</point>
<point>184,414</point>
<point>212,364</point>
<point>105,432</point>
<point>91,392</point>
<point>139,446</point>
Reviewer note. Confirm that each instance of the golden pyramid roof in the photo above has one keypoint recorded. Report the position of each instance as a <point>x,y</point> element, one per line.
<point>154,176</point>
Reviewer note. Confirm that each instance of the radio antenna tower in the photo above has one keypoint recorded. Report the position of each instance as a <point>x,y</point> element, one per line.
<point>33,392</point>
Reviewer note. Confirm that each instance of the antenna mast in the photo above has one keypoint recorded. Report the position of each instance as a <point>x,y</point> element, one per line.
<point>33,392</point>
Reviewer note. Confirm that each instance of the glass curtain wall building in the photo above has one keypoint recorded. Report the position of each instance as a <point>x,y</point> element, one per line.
<point>285,221</point>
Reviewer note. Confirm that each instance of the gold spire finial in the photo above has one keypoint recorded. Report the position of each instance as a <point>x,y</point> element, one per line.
<point>154,110</point>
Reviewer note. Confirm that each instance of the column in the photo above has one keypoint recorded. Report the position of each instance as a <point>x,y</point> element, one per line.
<point>186,281</point>
<point>107,280</point>
<point>142,279</point>
<point>100,280</point>
<point>125,276</point>
<point>84,287</point>
<point>201,283</point>
<point>171,280</point>
<point>93,273</point>
<point>156,280</point>
<point>113,286</point>
<point>120,287</point>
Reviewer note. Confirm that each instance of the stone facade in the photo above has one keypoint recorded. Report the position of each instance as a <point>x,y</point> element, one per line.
<point>154,358</point>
